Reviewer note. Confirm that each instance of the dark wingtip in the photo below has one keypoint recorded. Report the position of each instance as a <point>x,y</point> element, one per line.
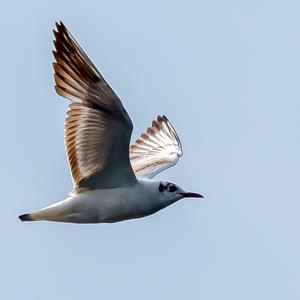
<point>25,217</point>
<point>56,25</point>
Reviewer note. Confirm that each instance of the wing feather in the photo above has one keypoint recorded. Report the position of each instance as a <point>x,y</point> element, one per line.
<point>156,150</point>
<point>97,126</point>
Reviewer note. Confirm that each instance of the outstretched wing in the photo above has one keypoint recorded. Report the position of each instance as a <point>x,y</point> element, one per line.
<point>97,126</point>
<point>156,150</point>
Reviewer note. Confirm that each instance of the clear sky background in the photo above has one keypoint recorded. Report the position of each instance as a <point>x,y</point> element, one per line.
<point>226,73</point>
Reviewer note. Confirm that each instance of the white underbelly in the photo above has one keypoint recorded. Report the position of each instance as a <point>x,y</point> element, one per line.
<point>106,206</point>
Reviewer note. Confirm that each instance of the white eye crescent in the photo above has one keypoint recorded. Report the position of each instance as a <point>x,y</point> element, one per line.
<point>172,188</point>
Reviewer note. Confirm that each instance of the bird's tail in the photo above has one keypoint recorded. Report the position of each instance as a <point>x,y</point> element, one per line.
<point>54,212</point>
<point>26,217</point>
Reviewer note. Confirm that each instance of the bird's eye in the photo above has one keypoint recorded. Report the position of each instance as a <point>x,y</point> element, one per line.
<point>172,188</point>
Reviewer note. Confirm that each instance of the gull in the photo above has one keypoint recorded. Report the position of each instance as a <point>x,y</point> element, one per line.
<point>113,181</point>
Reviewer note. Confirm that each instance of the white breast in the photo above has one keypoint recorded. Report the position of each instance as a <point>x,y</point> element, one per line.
<point>112,205</point>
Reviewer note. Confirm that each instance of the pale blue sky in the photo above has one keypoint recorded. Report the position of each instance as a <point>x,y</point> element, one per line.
<point>227,75</point>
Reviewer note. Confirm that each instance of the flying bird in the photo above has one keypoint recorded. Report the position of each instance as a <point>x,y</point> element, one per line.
<point>112,180</point>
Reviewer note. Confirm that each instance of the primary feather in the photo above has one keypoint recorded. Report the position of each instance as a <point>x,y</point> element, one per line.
<point>97,127</point>
<point>156,150</point>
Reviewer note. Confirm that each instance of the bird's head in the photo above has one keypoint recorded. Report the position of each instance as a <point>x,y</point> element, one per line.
<point>170,193</point>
